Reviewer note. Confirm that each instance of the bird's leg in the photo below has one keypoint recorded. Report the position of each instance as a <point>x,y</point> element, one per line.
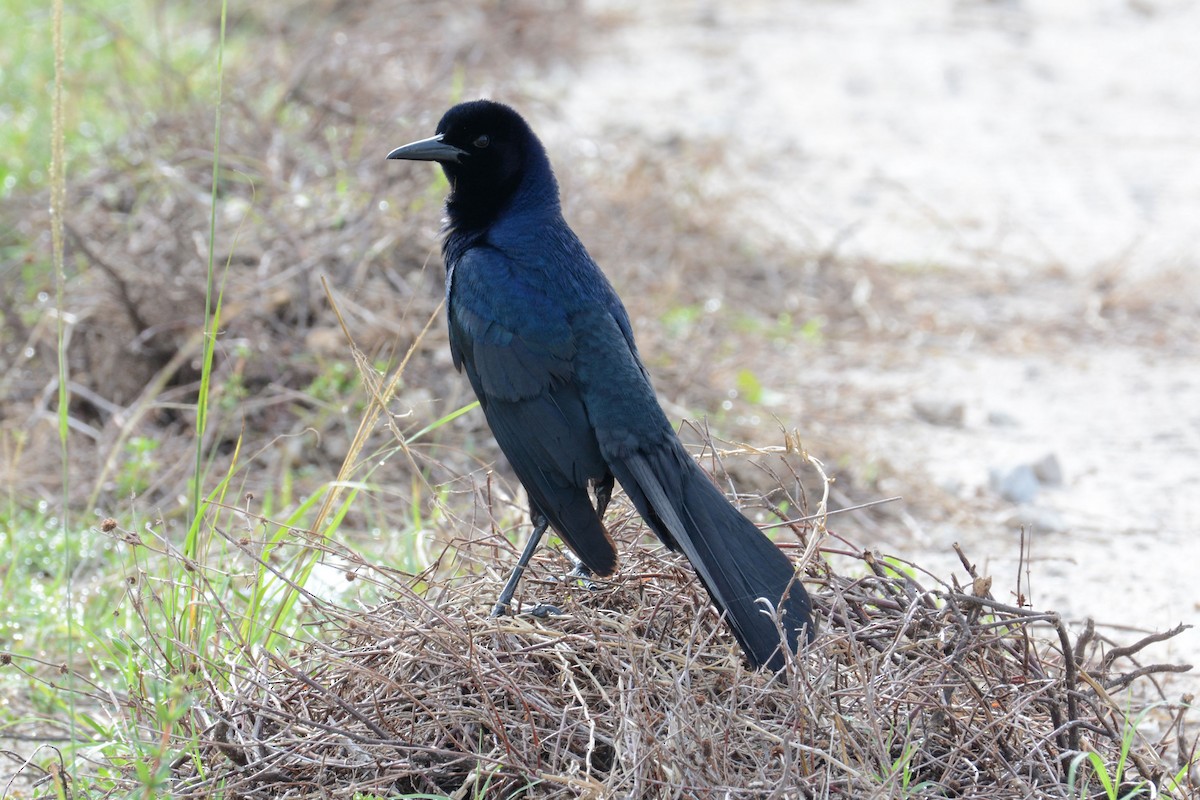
<point>510,588</point>
<point>604,488</point>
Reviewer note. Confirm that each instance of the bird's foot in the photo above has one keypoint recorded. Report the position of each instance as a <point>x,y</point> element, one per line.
<point>543,610</point>
<point>580,574</point>
<point>583,576</point>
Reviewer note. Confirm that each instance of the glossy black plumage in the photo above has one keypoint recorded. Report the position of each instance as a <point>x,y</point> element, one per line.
<point>549,351</point>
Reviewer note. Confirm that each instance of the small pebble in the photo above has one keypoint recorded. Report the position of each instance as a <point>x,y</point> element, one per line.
<point>1048,470</point>
<point>946,413</point>
<point>1002,419</point>
<point>1037,520</point>
<point>1017,485</point>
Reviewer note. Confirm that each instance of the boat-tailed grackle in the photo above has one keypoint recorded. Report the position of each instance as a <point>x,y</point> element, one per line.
<point>549,351</point>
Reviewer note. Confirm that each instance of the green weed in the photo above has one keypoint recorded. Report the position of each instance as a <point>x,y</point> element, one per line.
<point>1111,777</point>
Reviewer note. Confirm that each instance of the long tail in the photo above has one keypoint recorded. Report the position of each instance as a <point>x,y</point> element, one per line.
<point>738,565</point>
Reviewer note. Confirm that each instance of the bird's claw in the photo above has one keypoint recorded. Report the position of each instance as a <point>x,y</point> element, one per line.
<point>580,574</point>
<point>583,576</point>
<point>543,610</point>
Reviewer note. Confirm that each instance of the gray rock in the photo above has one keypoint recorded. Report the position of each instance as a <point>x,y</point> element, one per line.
<point>1048,470</point>
<point>1002,419</point>
<point>1017,485</point>
<point>935,411</point>
<point>1037,520</point>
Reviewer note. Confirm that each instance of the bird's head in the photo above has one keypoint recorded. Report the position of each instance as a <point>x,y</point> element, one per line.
<point>487,151</point>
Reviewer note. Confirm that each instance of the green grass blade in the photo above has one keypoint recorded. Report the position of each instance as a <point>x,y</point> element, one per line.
<point>212,304</point>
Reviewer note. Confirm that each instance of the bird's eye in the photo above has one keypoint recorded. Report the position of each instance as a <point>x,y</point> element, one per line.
<point>483,141</point>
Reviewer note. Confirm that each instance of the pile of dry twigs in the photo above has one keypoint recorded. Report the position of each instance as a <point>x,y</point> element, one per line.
<point>638,690</point>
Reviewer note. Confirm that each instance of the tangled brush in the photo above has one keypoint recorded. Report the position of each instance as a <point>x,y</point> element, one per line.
<point>638,690</point>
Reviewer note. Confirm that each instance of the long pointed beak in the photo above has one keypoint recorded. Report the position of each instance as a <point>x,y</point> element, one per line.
<point>431,149</point>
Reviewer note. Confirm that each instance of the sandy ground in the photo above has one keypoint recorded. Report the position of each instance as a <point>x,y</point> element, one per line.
<point>1052,147</point>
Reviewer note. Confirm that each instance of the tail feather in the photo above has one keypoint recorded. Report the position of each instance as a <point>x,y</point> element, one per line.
<point>738,565</point>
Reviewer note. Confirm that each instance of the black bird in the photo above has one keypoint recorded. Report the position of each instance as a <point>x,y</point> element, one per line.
<point>549,350</point>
